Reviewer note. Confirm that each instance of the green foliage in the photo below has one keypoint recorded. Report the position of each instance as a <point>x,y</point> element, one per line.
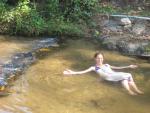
<point>51,7</point>
<point>47,16</point>
<point>2,9</point>
<point>31,24</point>
<point>108,9</point>
<point>60,27</point>
<point>96,33</point>
<point>83,9</point>
<point>145,13</point>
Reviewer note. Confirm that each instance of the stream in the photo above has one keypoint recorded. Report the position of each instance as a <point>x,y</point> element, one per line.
<point>44,89</point>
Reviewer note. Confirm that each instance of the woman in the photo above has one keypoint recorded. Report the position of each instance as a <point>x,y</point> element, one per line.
<point>106,72</point>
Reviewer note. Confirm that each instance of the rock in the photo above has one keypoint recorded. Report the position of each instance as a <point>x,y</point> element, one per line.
<point>109,43</point>
<point>127,35</point>
<point>136,48</point>
<point>3,82</point>
<point>113,29</point>
<point>122,46</point>
<point>21,61</point>
<point>104,23</point>
<point>138,29</point>
<point>139,50</point>
<point>139,8</point>
<point>45,43</point>
<point>125,21</point>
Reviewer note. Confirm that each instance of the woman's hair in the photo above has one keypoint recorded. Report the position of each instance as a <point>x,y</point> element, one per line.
<point>97,53</point>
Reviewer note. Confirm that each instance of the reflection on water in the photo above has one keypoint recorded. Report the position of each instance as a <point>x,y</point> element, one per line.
<point>43,88</point>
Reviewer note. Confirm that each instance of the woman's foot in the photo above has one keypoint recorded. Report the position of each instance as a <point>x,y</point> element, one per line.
<point>139,92</point>
<point>132,93</point>
<point>133,85</point>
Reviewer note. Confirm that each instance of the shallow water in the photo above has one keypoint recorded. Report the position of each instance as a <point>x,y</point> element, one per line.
<point>44,89</point>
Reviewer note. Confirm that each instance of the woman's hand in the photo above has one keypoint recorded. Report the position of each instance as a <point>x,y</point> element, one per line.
<point>133,66</point>
<point>68,72</point>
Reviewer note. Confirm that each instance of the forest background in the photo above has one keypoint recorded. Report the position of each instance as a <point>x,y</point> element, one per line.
<point>60,17</point>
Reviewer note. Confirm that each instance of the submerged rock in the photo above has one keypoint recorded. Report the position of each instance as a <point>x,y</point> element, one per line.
<point>46,43</point>
<point>19,62</point>
<point>3,82</point>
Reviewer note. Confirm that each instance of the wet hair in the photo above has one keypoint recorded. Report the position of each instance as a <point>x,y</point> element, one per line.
<point>97,53</point>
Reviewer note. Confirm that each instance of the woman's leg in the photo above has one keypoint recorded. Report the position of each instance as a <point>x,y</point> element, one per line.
<point>125,84</point>
<point>133,85</point>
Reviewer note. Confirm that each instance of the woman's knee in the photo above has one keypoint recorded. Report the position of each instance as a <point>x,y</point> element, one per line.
<point>129,74</point>
<point>124,81</point>
<point>130,78</point>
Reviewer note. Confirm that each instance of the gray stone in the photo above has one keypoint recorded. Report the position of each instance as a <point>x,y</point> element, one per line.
<point>125,21</point>
<point>138,29</point>
<point>21,61</point>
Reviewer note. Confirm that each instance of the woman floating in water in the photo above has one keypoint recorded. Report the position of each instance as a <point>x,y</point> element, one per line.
<point>106,73</point>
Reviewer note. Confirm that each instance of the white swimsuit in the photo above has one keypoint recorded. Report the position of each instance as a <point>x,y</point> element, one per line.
<point>108,74</point>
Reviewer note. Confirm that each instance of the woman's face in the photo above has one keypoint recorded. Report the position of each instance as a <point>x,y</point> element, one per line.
<point>99,59</point>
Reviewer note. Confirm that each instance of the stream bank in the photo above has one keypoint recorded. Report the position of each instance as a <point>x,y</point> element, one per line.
<point>127,35</point>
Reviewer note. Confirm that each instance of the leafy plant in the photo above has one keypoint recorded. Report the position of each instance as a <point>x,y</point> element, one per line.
<point>108,9</point>
<point>37,17</point>
<point>60,27</point>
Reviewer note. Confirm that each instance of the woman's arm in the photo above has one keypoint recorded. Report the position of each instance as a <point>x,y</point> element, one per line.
<point>123,67</point>
<point>70,72</point>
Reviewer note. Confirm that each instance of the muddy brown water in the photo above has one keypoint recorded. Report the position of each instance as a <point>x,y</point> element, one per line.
<point>44,89</point>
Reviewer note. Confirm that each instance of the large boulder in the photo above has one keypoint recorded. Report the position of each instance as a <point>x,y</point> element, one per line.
<point>127,35</point>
